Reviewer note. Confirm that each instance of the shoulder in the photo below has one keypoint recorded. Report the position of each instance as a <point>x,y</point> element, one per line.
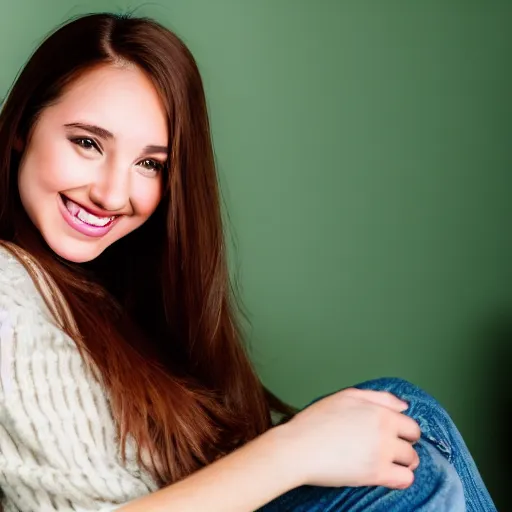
<point>18,292</point>
<point>10,266</point>
<point>56,424</point>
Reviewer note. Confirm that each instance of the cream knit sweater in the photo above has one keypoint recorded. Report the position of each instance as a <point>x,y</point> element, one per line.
<point>58,446</point>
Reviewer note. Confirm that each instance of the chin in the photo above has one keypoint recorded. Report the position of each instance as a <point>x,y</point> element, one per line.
<point>75,252</point>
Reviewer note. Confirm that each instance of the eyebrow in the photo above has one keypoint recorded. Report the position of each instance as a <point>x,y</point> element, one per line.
<point>105,134</point>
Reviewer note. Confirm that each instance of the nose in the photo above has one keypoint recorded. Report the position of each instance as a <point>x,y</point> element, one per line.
<point>111,189</point>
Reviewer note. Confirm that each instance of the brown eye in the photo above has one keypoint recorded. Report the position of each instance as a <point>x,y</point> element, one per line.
<point>86,143</point>
<point>152,165</point>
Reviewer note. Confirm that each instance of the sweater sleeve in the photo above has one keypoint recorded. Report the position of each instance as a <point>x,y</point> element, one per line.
<point>58,445</point>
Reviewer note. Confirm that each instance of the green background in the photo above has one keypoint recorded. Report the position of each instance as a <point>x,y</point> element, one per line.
<point>365,157</point>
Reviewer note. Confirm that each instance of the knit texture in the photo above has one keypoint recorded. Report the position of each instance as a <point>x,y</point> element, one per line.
<point>58,445</point>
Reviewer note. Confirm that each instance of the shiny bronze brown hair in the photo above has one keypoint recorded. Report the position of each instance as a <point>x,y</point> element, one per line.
<point>154,315</point>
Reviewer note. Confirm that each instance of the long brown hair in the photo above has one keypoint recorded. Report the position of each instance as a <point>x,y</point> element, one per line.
<point>154,314</point>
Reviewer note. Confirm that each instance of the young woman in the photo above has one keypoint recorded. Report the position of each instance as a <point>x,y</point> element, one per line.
<point>124,382</point>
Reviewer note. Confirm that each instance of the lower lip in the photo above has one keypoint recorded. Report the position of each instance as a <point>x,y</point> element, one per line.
<point>82,227</point>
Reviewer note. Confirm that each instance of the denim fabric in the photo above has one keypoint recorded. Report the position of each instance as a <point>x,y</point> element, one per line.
<point>446,480</point>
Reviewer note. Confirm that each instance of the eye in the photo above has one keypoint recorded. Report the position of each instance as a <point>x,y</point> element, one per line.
<point>86,143</point>
<point>151,167</point>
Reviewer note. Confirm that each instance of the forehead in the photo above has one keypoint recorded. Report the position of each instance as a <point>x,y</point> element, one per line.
<point>120,99</point>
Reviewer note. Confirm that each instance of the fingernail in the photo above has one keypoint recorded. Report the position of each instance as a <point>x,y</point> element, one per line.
<point>405,405</point>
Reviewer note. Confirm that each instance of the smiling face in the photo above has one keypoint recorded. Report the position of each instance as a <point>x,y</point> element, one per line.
<point>93,168</point>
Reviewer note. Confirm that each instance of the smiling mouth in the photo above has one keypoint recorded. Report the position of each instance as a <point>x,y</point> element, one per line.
<point>79,213</point>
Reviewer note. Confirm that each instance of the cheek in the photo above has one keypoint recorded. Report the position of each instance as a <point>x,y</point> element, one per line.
<point>50,168</point>
<point>146,197</point>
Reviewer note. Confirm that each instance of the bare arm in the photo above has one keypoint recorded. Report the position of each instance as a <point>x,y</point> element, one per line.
<point>352,438</point>
<point>240,482</point>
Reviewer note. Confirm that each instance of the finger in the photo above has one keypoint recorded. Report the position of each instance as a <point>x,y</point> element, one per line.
<point>408,429</point>
<point>416,463</point>
<point>404,453</point>
<point>383,398</point>
<point>397,477</point>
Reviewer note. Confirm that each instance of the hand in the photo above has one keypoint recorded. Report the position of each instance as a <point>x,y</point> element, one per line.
<point>353,438</point>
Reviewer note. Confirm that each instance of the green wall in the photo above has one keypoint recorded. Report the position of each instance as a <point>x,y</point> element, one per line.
<point>364,152</point>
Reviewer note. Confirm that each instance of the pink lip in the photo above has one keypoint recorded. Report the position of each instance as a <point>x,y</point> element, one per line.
<point>82,227</point>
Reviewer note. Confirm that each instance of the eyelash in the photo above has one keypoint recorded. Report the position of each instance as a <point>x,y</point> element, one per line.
<point>92,143</point>
<point>154,165</point>
<point>150,163</point>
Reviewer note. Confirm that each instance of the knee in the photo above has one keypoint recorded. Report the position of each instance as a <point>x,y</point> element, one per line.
<point>436,482</point>
<point>435,423</point>
<point>401,388</point>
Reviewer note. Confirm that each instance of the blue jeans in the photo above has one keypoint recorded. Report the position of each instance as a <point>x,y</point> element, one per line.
<point>447,479</point>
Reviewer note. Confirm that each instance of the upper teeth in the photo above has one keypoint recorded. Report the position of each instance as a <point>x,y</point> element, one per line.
<point>78,212</point>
